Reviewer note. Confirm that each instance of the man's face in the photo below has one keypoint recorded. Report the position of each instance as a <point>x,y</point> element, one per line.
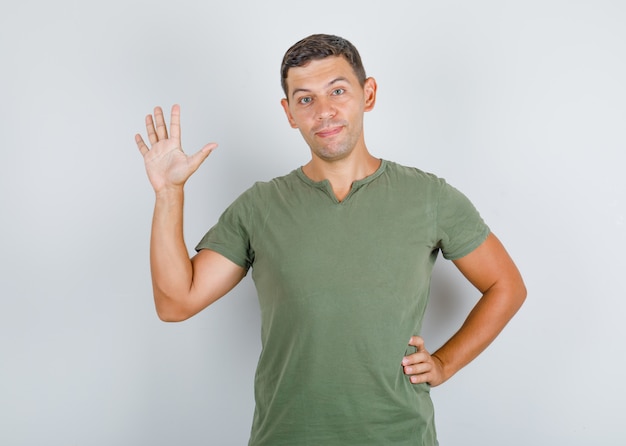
<point>326,103</point>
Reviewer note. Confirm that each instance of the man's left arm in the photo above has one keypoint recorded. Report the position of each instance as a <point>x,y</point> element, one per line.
<point>492,271</point>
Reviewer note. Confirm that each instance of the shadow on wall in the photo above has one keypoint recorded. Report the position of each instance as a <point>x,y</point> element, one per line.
<point>451,300</point>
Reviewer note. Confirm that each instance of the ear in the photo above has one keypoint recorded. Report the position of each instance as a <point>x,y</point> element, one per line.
<point>369,90</point>
<point>285,103</point>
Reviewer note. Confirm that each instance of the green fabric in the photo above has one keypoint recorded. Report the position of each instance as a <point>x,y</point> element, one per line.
<point>342,287</point>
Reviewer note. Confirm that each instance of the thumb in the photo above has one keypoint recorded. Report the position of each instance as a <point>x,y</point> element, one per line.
<point>417,342</point>
<point>198,158</point>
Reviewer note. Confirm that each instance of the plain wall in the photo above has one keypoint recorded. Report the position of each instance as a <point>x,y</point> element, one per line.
<point>521,105</point>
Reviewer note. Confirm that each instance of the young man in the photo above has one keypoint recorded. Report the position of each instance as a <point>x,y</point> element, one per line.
<point>341,252</point>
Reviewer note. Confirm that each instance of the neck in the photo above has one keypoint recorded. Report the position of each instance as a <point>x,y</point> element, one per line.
<point>343,172</point>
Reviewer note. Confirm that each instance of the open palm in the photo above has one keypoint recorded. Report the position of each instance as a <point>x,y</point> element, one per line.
<point>166,163</point>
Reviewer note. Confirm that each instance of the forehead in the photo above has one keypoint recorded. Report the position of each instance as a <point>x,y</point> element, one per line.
<point>319,73</point>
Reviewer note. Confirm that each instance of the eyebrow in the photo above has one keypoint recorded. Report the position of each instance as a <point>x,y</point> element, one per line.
<point>305,90</point>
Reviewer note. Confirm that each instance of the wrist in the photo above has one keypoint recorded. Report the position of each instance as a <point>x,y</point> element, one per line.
<point>167,193</point>
<point>444,371</point>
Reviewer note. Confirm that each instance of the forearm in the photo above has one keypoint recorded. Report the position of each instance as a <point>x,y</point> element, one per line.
<point>490,315</point>
<point>172,271</point>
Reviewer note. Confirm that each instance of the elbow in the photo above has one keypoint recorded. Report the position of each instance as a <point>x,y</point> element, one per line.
<point>519,293</point>
<point>523,293</point>
<point>166,316</point>
<point>511,295</point>
<point>169,310</point>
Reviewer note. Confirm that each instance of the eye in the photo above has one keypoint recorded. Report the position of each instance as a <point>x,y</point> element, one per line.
<point>338,91</point>
<point>305,100</point>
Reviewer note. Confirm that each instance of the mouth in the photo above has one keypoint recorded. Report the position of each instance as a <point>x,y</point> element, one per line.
<point>328,131</point>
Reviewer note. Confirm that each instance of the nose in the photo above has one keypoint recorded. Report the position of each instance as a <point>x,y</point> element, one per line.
<point>324,109</point>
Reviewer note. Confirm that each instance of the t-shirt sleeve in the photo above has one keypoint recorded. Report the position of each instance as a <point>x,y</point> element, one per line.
<point>229,236</point>
<point>460,228</point>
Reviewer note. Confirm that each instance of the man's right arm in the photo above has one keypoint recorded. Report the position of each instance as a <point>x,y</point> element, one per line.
<point>182,286</point>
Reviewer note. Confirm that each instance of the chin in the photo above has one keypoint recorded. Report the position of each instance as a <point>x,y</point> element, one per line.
<point>334,156</point>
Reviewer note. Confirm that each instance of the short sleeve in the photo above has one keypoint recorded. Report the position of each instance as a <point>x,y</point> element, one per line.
<point>229,236</point>
<point>460,228</point>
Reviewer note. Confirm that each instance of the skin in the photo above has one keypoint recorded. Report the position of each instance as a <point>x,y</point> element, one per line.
<point>492,271</point>
<point>182,286</point>
<point>326,104</point>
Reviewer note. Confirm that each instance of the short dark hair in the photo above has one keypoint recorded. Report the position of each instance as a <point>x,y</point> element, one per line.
<point>320,46</point>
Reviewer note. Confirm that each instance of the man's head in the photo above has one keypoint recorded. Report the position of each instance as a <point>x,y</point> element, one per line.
<point>320,46</point>
<point>326,95</point>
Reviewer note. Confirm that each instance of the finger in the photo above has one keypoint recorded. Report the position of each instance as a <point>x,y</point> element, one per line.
<point>198,158</point>
<point>420,379</point>
<point>175,122</point>
<point>417,342</point>
<point>419,373</point>
<point>152,136</point>
<point>143,148</point>
<point>161,129</point>
<point>416,358</point>
<point>420,355</point>
<point>417,369</point>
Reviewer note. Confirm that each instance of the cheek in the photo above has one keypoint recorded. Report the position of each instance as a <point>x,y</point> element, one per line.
<point>301,118</point>
<point>293,119</point>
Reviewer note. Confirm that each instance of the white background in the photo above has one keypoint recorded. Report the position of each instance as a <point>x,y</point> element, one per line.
<point>521,105</point>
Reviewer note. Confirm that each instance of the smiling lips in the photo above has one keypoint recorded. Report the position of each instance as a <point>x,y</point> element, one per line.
<point>328,131</point>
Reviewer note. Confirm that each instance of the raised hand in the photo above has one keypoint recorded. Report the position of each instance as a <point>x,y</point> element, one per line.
<point>168,167</point>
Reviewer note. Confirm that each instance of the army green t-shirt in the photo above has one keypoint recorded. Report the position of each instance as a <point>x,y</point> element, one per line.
<point>342,287</point>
